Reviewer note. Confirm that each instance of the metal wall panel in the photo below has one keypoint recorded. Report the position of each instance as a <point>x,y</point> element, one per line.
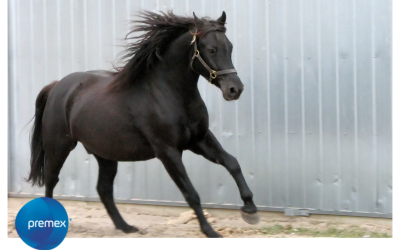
<point>311,130</point>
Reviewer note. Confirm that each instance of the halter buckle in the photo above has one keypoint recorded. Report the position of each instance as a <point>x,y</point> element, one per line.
<point>193,40</point>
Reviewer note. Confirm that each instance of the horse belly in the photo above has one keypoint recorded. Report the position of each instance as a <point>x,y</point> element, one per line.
<point>105,129</point>
<point>127,146</point>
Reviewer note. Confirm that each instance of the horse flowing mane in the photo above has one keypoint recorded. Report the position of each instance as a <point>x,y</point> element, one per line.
<point>157,31</point>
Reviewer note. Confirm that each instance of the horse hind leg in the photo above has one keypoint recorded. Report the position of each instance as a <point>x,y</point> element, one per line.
<point>54,160</point>
<point>107,173</point>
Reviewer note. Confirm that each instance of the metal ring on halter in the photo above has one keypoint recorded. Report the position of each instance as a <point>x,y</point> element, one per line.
<point>213,74</point>
<point>197,53</point>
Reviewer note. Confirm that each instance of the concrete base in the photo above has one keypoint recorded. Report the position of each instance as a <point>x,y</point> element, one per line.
<point>177,209</point>
<point>229,213</point>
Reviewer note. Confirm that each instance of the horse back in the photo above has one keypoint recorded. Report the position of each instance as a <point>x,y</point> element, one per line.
<point>68,91</point>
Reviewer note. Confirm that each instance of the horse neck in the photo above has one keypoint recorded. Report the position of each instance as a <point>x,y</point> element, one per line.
<point>175,70</point>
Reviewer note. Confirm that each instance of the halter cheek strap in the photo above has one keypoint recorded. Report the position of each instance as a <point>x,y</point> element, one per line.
<point>213,74</point>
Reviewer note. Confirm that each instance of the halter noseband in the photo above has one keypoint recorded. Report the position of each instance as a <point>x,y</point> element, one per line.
<point>213,73</point>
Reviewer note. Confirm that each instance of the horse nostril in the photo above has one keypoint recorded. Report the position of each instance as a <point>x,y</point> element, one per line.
<point>233,91</point>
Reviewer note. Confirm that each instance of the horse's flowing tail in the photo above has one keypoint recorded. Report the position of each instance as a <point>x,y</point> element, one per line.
<point>36,176</point>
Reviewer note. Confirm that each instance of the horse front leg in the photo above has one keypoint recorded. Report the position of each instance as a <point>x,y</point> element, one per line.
<point>212,150</point>
<point>172,160</point>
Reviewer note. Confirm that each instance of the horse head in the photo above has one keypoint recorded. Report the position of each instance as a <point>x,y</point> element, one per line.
<point>213,51</point>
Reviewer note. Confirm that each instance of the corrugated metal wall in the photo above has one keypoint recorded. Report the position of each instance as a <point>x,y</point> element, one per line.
<point>311,130</point>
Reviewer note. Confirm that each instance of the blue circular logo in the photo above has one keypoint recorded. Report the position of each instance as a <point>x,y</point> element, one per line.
<point>42,223</point>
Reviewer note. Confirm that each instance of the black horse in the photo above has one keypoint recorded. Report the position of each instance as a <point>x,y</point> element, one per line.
<point>149,108</point>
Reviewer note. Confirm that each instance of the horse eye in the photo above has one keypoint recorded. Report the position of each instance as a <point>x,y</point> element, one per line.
<point>212,51</point>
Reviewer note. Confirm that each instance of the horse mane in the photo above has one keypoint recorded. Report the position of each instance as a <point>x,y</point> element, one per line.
<point>157,31</point>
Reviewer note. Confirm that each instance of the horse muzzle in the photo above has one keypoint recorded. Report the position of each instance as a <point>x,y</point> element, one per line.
<point>231,88</point>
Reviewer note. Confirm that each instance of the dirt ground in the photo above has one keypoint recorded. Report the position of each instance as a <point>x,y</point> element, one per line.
<point>90,220</point>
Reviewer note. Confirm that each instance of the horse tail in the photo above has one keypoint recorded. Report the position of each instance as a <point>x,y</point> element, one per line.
<point>36,176</point>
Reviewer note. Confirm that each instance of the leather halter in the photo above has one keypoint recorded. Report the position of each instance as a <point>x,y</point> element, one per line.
<point>213,74</point>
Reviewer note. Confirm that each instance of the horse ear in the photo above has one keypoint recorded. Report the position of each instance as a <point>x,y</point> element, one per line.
<point>222,18</point>
<point>197,21</point>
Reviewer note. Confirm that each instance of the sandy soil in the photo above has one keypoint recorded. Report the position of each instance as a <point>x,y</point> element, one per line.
<point>90,220</point>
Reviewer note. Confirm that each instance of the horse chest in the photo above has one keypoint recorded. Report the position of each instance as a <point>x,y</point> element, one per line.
<point>182,124</point>
<point>195,130</point>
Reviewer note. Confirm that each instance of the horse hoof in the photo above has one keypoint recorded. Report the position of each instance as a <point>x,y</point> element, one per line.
<point>214,235</point>
<point>250,218</point>
<point>129,229</point>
